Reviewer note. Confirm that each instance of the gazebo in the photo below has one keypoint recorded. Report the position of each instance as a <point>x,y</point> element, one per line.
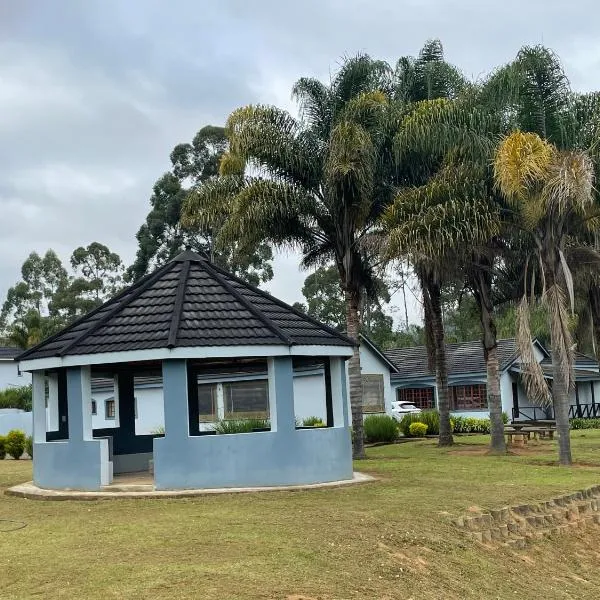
<point>187,319</point>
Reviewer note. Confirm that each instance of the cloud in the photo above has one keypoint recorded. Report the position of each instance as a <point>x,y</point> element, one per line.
<point>95,94</point>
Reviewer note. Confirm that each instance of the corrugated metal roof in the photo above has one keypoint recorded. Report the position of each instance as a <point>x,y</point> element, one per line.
<point>186,303</point>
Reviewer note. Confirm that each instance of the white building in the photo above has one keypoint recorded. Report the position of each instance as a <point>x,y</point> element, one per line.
<point>415,382</point>
<point>10,377</point>
<point>222,397</point>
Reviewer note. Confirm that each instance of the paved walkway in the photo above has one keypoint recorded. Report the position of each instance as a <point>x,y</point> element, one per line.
<point>139,485</point>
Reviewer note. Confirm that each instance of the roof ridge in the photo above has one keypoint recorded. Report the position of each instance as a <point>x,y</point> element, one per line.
<point>87,315</point>
<point>178,304</point>
<point>247,304</point>
<point>111,313</point>
<point>283,304</point>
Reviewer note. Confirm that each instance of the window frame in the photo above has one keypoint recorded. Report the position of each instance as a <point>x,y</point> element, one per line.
<point>421,397</point>
<point>229,415</point>
<point>475,392</point>
<point>107,402</point>
<point>215,403</point>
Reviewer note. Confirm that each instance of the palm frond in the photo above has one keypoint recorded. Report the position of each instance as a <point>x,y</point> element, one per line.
<point>532,373</point>
<point>270,211</point>
<point>274,142</point>
<point>563,348</point>
<point>569,183</point>
<point>350,168</point>
<point>521,163</point>
<point>313,99</point>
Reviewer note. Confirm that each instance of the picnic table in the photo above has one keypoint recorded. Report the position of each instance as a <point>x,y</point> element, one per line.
<point>523,432</point>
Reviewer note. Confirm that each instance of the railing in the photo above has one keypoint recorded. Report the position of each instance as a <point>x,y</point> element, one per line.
<point>584,411</point>
<point>533,413</point>
<point>538,413</point>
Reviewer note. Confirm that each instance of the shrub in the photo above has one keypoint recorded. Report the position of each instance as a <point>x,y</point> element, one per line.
<point>417,429</point>
<point>585,423</point>
<point>29,446</point>
<point>240,425</point>
<point>380,428</point>
<point>160,430</point>
<point>17,397</point>
<point>471,425</point>
<point>505,418</point>
<point>313,422</point>
<point>431,418</point>
<point>2,447</point>
<point>15,443</point>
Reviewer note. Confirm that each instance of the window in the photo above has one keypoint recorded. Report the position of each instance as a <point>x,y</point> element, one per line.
<point>420,397</point>
<point>94,408</point>
<point>207,402</point>
<point>246,399</point>
<point>468,397</point>
<point>372,389</point>
<point>109,408</point>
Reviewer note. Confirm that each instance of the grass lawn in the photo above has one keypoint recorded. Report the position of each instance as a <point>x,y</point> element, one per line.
<point>388,539</point>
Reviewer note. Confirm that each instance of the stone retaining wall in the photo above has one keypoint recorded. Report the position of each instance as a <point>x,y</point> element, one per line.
<point>515,525</point>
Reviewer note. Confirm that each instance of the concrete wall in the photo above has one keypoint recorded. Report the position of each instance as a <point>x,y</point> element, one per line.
<point>14,418</point>
<point>10,377</point>
<point>81,462</point>
<point>283,456</point>
<point>150,411</point>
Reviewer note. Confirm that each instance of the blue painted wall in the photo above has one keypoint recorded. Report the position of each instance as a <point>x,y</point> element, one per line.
<point>81,462</point>
<point>283,457</point>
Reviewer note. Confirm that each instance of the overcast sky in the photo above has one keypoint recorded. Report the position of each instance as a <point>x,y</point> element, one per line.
<point>94,94</point>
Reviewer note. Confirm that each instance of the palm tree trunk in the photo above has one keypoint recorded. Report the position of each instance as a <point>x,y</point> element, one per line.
<point>482,288</point>
<point>354,375</point>
<point>560,399</point>
<point>497,442</point>
<point>561,369</point>
<point>432,298</point>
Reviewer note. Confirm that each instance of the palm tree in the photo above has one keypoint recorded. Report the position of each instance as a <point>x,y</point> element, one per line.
<point>552,190</point>
<point>318,184</point>
<point>533,93</point>
<point>425,81</point>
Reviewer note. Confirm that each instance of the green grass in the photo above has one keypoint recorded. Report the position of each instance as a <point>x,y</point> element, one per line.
<point>389,539</point>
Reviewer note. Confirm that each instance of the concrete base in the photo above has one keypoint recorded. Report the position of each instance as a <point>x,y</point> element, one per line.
<point>142,487</point>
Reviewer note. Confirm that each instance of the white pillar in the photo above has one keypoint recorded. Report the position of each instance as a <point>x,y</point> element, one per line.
<point>338,392</point>
<point>39,406</point>
<point>52,408</point>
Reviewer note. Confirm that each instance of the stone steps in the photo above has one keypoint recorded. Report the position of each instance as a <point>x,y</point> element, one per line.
<point>515,526</point>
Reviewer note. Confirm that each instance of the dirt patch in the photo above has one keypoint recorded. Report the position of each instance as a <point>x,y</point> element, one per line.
<point>408,560</point>
<point>514,451</point>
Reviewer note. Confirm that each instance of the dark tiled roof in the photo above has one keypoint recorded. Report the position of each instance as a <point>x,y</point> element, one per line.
<point>7,352</point>
<point>581,360</point>
<point>188,302</point>
<point>462,358</point>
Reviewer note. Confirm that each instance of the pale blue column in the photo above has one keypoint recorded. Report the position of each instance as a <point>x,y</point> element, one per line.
<point>281,393</point>
<point>79,399</point>
<point>175,398</point>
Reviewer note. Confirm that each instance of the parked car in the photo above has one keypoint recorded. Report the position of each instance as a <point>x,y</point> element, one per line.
<point>399,409</point>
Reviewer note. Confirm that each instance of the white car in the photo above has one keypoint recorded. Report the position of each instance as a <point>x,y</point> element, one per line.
<point>399,409</point>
